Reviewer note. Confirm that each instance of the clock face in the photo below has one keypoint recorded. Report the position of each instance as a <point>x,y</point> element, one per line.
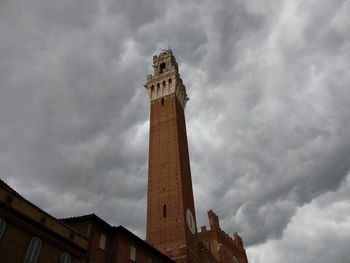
<point>190,221</point>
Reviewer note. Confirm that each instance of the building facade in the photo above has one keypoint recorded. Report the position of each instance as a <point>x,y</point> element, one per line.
<point>30,235</point>
<point>113,244</point>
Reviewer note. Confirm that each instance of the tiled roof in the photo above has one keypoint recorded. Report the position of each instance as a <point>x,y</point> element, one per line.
<point>8,188</point>
<point>85,217</point>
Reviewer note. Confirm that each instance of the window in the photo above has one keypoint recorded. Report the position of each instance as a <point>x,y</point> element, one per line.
<point>162,101</point>
<point>164,210</point>
<point>43,220</point>
<point>161,67</point>
<point>102,244</point>
<point>133,253</point>
<point>65,258</point>
<point>234,260</point>
<point>2,226</point>
<point>170,81</point>
<point>8,200</point>
<point>33,250</point>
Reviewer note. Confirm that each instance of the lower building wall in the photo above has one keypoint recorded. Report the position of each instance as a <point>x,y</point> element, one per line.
<point>205,255</point>
<point>98,254</point>
<point>142,254</point>
<point>15,241</point>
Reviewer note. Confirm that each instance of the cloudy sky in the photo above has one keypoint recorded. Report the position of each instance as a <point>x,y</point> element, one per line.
<point>268,116</point>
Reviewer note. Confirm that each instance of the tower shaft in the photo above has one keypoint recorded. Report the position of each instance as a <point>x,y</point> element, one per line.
<point>171,223</point>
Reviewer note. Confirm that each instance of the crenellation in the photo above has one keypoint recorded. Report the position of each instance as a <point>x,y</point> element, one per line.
<point>218,241</point>
<point>166,79</point>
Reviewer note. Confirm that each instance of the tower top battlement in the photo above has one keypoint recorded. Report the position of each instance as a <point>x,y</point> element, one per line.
<point>166,78</point>
<point>164,63</point>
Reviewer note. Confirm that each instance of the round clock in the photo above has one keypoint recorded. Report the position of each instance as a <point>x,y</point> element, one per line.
<point>190,221</point>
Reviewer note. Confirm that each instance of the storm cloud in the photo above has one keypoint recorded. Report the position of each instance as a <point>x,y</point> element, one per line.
<point>268,116</point>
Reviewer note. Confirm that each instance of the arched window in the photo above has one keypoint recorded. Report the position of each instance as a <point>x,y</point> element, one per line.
<point>152,87</point>
<point>162,101</point>
<point>2,226</point>
<point>170,81</point>
<point>164,83</point>
<point>158,86</point>
<point>164,210</point>
<point>132,254</point>
<point>103,239</point>
<point>33,250</point>
<point>65,258</point>
<point>161,67</point>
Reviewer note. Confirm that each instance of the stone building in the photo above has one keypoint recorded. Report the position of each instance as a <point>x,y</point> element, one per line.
<point>113,244</point>
<point>30,235</point>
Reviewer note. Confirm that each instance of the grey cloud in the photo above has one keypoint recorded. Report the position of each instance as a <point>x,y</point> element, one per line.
<point>313,228</point>
<point>62,102</point>
<point>138,13</point>
<point>169,32</point>
<point>267,120</point>
<point>286,145</point>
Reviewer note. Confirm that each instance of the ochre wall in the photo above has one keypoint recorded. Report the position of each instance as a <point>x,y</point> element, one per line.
<point>17,236</point>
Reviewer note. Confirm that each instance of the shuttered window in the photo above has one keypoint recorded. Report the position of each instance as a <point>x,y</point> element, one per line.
<point>102,244</point>
<point>65,258</point>
<point>133,253</point>
<point>234,259</point>
<point>33,250</point>
<point>2,227</point>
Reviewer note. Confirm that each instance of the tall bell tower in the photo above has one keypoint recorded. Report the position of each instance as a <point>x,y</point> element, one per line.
<point>171,218</point>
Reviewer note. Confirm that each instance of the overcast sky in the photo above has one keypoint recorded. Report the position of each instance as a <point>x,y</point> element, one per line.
<point>268,118</point>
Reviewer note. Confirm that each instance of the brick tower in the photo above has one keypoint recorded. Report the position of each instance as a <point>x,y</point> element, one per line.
<point>171,218</point>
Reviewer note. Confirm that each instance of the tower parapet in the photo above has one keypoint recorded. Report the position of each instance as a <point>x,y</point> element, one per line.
<point>213,220</point>
<point>166,79</point>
